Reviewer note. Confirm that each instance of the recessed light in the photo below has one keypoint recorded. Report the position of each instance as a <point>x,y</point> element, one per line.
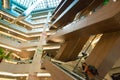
<point>11,48</point>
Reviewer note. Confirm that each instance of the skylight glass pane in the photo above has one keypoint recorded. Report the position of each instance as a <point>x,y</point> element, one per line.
<point>46,4</point>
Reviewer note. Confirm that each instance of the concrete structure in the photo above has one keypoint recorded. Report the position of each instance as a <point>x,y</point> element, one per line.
<point>73,27</point>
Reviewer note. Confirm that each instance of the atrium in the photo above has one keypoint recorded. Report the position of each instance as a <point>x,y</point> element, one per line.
<point>51,39</point>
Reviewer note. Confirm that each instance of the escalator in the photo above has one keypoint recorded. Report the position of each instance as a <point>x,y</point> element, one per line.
<point>60,73</point>
<point>76,76</point>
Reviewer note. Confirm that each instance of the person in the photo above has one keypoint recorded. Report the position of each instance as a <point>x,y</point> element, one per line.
<point>86,70</point>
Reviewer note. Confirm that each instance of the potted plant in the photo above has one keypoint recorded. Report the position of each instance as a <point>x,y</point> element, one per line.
<point>3,55</point>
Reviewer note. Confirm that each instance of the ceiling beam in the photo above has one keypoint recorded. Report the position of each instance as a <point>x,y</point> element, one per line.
<point>62,6</point>
<point>27,11</point>
<point>66,16</point>
<point>71,48</point>
<point>94,24</point>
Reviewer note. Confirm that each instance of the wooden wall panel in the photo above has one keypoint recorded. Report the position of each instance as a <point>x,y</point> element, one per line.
<point>67,17</point>
<point>105,53</point>
<point>106,19</point>
<point>71,48</point>
<point>56,72</point>
<point>61,7</point>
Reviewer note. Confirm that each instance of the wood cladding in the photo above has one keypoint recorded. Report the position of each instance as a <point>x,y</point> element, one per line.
<point>69,16</point>
<point>106,19</point>
<point>105,53</point>
<point>56,72</point>
<point>71,48</point>
<point>91,7</point>
<point>63,5</point>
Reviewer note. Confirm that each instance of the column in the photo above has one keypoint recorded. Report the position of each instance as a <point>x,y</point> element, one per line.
<point>71,48</point>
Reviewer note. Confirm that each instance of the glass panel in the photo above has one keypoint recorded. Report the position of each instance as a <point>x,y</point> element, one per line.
<point>46,4</point>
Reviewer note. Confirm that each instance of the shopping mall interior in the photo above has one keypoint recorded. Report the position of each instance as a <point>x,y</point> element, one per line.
<point>51,39</point>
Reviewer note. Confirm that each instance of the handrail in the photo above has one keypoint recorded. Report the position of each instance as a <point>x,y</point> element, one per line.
<point>70,72</point>
<point>60,70</point>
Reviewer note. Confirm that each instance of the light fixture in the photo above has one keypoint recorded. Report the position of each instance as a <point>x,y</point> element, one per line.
<point>114,0</point>
<point>44,74</point>
<point>44,48</point>
<point>7,79</point>
<point>13,36</point>
<point>90,13</point>
<point>11,48</point>
<point>31,49</point>
<point>11,74</point>
<point>51,47</point>
<point>35,35</point>
<point>18,75</point>
<point>13,31</point>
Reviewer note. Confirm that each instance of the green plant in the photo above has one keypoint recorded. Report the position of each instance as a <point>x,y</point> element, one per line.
<point>106,2</point>
<point>3,55</point>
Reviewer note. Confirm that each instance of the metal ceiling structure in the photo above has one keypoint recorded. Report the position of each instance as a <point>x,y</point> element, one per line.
<point>36,18</point>
<point>46,4</point>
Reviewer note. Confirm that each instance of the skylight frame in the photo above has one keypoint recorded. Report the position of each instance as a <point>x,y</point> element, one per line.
<point>45,5</point>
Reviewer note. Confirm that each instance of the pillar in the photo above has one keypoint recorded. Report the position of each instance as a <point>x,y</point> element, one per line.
<point>71,48</point>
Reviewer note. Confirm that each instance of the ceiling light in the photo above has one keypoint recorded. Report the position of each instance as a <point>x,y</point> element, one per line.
<point>13,31</point>
<point>7,34</point>
<point>44,74</point>
<point>11,74</point>
<point>31,49</point>
<point>51,47</point>
<point>11,48</point>
<point>7,79</point>
<point>44,48</point>
<point>18,75</point>
<point>114,0</point>
<point>35,35</point>
<point>90,13</point>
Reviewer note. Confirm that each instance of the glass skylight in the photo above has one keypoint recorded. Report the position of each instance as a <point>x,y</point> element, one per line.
<point>45,4</point>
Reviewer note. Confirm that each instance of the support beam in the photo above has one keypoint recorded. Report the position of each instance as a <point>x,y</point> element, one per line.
<point>27,11</point>
<point>66,17</point>
<point>62,6</point>
<point>62,1</point>
<point>105,53</point>
<point>31,8</point>
<point>71,48</point>
<point>94,23</point>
